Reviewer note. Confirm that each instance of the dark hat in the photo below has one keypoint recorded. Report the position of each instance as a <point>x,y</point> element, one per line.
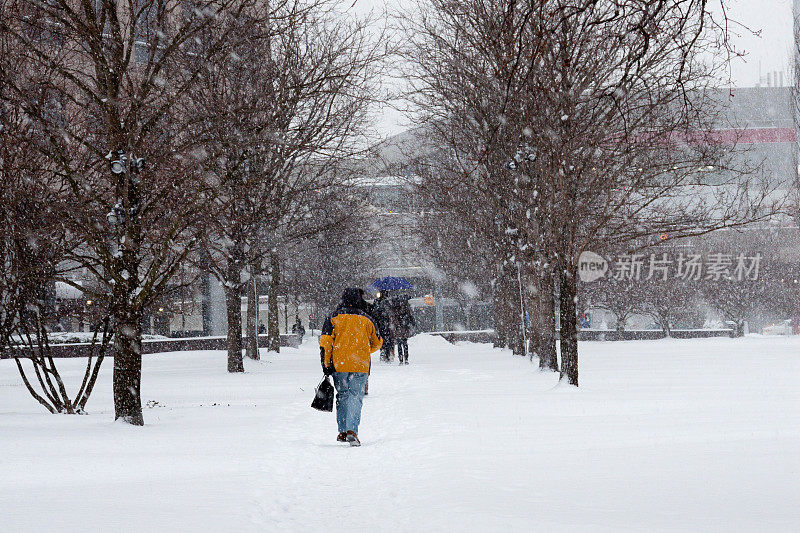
<point>352,296</point>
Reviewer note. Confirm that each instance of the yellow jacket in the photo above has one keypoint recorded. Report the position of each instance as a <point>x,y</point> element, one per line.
<point>348,338</point>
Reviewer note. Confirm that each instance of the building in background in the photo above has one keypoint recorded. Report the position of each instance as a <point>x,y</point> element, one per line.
<point>760,120</point>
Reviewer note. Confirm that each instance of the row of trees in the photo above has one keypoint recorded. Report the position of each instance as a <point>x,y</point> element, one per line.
<point>571,125</point>
<point>769,289</point>
<point>161,133</point>
<point>34,242</point>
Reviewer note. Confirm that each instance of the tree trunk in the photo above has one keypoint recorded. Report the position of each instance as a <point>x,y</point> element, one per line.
<point>128,366</point>
<point>252,319</point>
<point>274,335</point>
<point>205,301</point>
<point>233,304</point>
<point>510,312</point>
<point>739,328</point>
<point>569,326</point>
<point>535,336</point>
<point>517,322</point>
<point>497,316</point>
<point>665,326</point>
<point>548,355</point>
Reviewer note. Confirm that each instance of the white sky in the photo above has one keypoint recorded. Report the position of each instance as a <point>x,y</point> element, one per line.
<point>768,51</point>
<point>772,49</point>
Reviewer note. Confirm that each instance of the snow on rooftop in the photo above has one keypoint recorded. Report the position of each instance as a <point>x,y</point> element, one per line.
<point>386,181</point>
<point>65,291</point>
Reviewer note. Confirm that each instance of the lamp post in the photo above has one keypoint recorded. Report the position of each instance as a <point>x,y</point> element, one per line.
<point>118,163</point>
<point>522,310</point>
<point>123,218</point>
<point>524,154</point>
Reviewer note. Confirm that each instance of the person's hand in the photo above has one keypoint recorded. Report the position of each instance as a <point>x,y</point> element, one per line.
<point>327,370</point>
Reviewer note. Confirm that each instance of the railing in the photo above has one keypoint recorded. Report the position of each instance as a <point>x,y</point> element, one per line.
<point>651,334</point>
<point>481,335</point>
<point>488,335</point>
<point>155,346</point>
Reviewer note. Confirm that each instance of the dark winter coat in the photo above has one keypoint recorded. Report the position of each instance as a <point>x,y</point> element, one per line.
<point>382,311</point>
<point>402,317</point>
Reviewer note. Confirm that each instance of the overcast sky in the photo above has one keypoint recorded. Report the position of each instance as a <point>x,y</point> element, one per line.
<point>768,51</point>
<point>772,48</point>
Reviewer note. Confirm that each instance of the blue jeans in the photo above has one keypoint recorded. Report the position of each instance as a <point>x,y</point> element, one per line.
<point>349,395</point>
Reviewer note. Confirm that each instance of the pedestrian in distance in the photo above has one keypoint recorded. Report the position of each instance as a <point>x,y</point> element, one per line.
<point>403,323</point>
<point>298,329</point>
<point>383,315</point>
<point>349,336</point>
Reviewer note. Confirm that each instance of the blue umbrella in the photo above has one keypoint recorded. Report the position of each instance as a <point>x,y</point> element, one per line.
<point>391,283</point>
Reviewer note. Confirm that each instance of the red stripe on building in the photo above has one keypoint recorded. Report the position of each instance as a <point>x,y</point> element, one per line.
<point>726,136</point>
<point>754,136</point>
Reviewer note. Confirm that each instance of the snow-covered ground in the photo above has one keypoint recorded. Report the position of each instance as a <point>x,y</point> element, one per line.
<point>672,435</point>
<point>75,337</point>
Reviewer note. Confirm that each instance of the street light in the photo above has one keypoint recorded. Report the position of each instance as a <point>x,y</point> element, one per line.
<point>117,167</point>
<point>523,154</point>
<point>118,163</point>
<point>116,216</point>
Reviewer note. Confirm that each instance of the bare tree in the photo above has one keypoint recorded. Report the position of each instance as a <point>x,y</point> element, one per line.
<point>582,122</point>
<point>100,81</point>
<point>738,295</point>
<point>621,297</point>
<point>279,113</point>
<point>33,245</point>
<point>671,304</point>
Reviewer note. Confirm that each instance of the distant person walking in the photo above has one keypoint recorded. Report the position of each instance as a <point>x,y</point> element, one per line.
<point>298,329</point>
<point>403,323</point>
<point>382,311</point>
<point>348,338</point>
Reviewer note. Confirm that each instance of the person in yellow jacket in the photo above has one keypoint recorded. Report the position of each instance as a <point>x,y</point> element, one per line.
<point>349,336</point>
